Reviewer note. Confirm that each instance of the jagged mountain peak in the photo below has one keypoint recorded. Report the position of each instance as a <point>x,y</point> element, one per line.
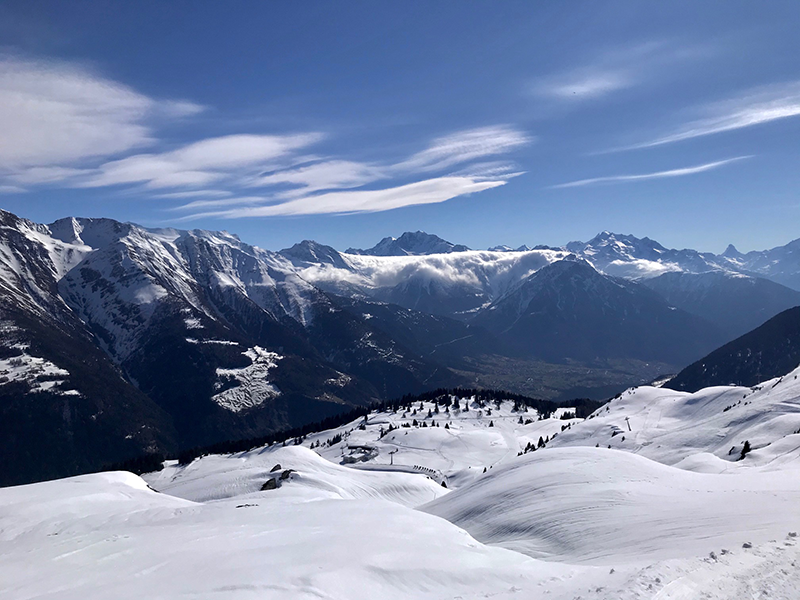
<point>411,243</point>
<point>732,252</point>
<point>311,252</point>
<point>523,248</point>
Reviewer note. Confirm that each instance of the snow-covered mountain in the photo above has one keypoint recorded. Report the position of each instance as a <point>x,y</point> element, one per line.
<point>634,258</point>
<point>567,310</point>
<point>457,283</point>
<point>780,264</point>
<point>734,302</point>
<point>411,244</point>
<point>178,322</point>
<point>205,338</point>
<point>504,248</point>
<point>63,402</point>
<point>642,258</point>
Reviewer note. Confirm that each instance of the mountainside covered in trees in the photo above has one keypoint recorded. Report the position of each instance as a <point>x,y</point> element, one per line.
<point>768,351</point>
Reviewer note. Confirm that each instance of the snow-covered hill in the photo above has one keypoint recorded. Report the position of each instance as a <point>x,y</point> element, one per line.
<point>669,512</point>
<point>578,505</point>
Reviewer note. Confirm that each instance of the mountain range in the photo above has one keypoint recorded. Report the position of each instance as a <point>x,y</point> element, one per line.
<point>118,339</point>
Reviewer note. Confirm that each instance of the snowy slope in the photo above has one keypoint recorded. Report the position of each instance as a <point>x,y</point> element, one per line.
<point>701,431</point>
<point>584,505</point>
<point>452,446</point>
<point>312,478</point>
<point>667,513</point>
<point>107,536</point>
<point>456,450</point>
<point>561,522</point>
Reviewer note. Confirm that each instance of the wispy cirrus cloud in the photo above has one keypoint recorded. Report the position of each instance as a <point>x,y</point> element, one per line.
<point>613,71</point>
<point>465,146</point>
<point>588,84</point>
<point>335,186</point>
<point>322,175</point>
<point>428,191</point>
<point>647,176</point>
<point>195,194</point>
<point>64,125</point>
<point>56,113</point>
<point>754,107</point>
<point>199,163</point>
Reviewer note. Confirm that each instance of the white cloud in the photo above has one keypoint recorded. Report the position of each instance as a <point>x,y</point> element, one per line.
<point>43,175</point>
<point>199,163</point>
<point>755,107</point>
<point>62,124</point>
<point>326,175</point>
<point>615,70</point>
<point>422,192</point>
<point>54,113</point>
<point>196,194</point>
<point>464,146</point>
<point>222,202</point>
<point>643,177</point>
<point>584,85</point>
<point>11,189</point>
<point>331,186</point>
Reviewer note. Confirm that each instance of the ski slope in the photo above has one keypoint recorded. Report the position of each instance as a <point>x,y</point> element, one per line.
<point>582,505</point>
<point>311,478</point>
<point>703,431</point>
<point>668,512</point>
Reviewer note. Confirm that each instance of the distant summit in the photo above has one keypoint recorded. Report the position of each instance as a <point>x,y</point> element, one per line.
<point>504,248</point>
<point>732,252</point>
<point>410,244</point>
<point>309,251</point>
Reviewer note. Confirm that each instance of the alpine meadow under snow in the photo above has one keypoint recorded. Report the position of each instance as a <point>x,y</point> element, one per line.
<point>657,494</point>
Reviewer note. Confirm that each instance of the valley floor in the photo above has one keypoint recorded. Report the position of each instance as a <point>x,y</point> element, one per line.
<point>646,499</point>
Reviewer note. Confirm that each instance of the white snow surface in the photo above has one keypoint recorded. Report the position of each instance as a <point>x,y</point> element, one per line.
<point>667,513</point>
<point>312,478</point>
<point>39,374</point>
<point>250,385</point>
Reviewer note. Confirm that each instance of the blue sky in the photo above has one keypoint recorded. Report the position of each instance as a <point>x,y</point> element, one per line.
<point>484,122</point>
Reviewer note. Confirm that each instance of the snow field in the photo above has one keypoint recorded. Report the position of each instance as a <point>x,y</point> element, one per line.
<point>606,507</point>
<point>358,512</point>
